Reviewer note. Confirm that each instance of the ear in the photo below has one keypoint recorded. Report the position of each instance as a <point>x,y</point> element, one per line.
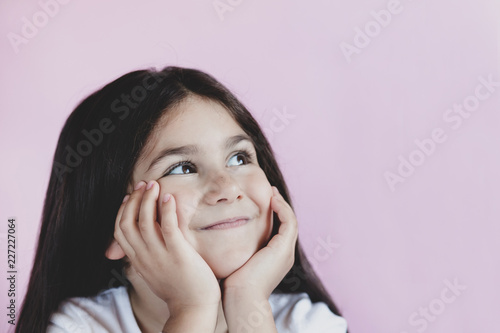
<point>114,251</point>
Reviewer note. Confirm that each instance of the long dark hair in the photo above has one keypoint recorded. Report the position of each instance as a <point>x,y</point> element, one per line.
<point>99,145</point>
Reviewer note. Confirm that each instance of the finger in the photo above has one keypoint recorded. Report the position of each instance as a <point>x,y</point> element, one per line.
<point>147,217</point>
<point>169,224</point>
<point>128,224</point>
<point>288,227</point>
<point>282,208</point>
<point>118,234</point>
<point>122,208</point>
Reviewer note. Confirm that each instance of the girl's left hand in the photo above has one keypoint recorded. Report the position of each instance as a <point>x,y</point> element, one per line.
<point>263,272</point>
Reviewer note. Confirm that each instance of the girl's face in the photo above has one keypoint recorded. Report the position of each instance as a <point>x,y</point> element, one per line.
<point>208,163</point>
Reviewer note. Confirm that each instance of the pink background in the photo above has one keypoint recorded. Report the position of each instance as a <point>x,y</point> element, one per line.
<point>391,252</point>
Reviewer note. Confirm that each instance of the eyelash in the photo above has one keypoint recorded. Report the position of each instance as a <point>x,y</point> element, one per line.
<point>245,153</point>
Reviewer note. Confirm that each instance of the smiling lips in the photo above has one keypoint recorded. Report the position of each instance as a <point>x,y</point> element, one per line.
<point>227,223</point>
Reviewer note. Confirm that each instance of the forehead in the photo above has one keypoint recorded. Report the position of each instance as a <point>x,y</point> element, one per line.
<point>195,121</point>
<point>192,118</point>
<point>196,114</point>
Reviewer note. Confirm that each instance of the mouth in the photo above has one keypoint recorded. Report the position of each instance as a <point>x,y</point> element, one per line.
<point>227,223</point>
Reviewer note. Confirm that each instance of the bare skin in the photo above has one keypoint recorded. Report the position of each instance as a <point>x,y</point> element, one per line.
<point>178,264</point>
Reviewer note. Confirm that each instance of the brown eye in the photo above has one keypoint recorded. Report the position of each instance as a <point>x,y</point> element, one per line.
<point>238,159</point>
<point>186,169</point>
<point>182,168</point>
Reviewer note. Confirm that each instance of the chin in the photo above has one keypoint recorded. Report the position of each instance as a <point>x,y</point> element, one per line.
<point>225,259</point>
<point>226,265</point>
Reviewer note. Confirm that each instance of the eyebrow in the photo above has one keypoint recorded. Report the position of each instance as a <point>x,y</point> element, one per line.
<point>193,149</point>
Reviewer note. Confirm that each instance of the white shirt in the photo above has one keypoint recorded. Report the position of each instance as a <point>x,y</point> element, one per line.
<point>110,311</point>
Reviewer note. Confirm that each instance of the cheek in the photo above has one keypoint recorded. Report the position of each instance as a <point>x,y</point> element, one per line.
<point>185,201</point>
<point>186,207</point>
<point>259,189</point>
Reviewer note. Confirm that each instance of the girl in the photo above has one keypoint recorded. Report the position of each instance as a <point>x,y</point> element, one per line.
<point>166,211</point>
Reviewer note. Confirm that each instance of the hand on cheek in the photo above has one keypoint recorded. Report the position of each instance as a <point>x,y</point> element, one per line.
<point>266,268</point>
<point>147,230</point>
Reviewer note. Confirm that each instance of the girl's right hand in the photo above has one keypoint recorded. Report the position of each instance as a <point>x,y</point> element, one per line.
<point>161,255</point>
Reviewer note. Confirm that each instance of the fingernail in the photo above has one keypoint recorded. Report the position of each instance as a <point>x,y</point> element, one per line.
<point>126,198</point>
<point>275,191</point>
<point>139,185</point>
<point>150,184</point>
<point>166,197</point>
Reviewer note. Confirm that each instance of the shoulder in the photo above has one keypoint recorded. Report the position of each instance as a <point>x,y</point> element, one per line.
<point>109,311</point>
<point>296,313</point>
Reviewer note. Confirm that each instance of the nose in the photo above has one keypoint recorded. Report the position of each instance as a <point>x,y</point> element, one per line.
<point>222,187</point>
